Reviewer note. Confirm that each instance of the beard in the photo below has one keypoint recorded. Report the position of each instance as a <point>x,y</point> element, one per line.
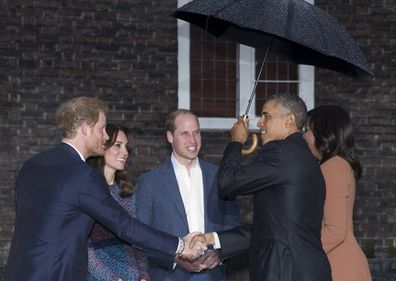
<point>95,150</point>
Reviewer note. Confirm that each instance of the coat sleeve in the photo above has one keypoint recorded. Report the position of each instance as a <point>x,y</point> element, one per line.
<point>234,241</point>
<point>231,213</point>
<point>262,173</point>
<point>95,201</point>
<point>335,214</point>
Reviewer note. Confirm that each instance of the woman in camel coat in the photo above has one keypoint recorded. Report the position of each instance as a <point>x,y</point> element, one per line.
<point>328,132</point>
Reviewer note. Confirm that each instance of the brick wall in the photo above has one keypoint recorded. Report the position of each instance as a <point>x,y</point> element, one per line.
<point>121,51</point>
<point>125,52</point>
<point>372,103</point>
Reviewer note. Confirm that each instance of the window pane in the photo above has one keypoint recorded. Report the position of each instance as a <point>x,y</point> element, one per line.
<point>278,76</point>
<point>213,70</point>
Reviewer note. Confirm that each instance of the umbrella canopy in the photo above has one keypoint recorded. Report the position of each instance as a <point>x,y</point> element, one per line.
<point>299,31</point>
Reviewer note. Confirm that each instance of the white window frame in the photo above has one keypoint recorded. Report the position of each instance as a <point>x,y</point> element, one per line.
<point>247,77</point>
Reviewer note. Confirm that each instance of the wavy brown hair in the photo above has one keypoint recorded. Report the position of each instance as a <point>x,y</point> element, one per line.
<point>121,177</point>
<point>71,114</point>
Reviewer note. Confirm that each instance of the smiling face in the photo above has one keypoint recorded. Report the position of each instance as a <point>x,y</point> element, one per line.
<point>276,123</point>
<point>116,155</point>
<point>186,139</point>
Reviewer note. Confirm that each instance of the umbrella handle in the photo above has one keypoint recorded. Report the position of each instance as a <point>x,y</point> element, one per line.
<point>252,147</point>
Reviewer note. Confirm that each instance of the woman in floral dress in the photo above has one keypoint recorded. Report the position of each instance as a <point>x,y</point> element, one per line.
<point>109,258</point>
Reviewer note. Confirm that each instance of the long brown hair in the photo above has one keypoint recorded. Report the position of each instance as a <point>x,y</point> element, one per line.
<point>121,177</point>
<point>333,132</point>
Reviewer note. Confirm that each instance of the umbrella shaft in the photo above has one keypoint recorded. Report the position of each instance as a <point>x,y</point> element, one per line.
<point>258,78</point>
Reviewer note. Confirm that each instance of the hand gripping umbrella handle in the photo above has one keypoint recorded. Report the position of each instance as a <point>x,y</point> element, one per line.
<point>252,147</point>
<point>254,142</point>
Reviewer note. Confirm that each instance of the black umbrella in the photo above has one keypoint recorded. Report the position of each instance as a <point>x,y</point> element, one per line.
<point>295,29</point>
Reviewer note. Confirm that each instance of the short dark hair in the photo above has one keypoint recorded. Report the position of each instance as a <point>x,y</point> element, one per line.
<point>333,132</point>
<point>294,104</point>
<point>170,119</point>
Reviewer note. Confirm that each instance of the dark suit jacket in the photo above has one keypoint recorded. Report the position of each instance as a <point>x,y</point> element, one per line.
<point>159,204</point>
<point>234,241</point>
<point>58,196</point>
<point>288,196</point>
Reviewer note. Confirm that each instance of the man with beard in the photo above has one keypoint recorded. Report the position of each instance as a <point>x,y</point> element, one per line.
<point>58,197</point>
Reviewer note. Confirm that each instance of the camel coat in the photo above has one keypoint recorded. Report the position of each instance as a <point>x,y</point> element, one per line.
<point>347,260</point>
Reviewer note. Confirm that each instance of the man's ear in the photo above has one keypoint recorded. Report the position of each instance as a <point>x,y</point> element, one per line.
<point>169,136</point>
<point>290,121</point>
<point>85,128</point>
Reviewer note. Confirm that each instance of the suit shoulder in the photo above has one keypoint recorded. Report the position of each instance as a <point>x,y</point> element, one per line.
<point>274,144</point>
<point>55,159</point>
<point>156,173</point>
<point>272,149</point>
<point>207,165</point>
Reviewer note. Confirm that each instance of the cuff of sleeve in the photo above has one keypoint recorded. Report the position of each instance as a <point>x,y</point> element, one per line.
<point>217,244</point>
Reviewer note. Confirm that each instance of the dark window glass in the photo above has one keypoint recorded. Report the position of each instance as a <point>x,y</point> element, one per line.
<point>213,70</point>
<point>279,75</point>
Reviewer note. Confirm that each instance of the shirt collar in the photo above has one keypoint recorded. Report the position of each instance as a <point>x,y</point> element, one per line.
<point>178,166</point>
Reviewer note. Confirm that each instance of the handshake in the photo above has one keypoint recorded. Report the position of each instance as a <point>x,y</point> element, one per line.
<point>196,256</point>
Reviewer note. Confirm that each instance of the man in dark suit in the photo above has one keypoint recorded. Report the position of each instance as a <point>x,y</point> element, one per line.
<point>288,196</point>
<point>58,196</point>
<point>180,196</point>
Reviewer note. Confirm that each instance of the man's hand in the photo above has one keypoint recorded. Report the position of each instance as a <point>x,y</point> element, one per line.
<point>206,238</point>
<point>192,251</point>
<point>240,131</point>
<point>209,260</point>
<point>192,266</point>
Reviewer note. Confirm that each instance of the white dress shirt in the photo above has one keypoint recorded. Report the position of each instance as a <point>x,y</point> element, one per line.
<point>191,190</point>
<point>192,193</point>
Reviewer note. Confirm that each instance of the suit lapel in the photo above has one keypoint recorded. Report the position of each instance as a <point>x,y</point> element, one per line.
<point>172,187</point>
<point>206,191</point>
